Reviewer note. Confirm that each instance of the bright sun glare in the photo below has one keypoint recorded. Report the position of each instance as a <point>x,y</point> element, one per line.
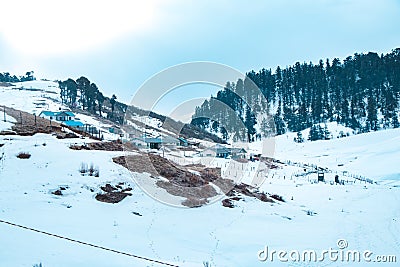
<point>49,27</point>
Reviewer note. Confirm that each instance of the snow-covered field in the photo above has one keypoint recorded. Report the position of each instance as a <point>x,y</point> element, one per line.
<point>366,215</point>
<point>314,216</point>
<point>372,155</point>
<point>6,123</point>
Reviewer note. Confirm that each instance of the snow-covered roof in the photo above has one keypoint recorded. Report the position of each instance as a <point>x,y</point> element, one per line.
<point>169,139</point>
<point>220,149</point>
<point>65,113</point>
<point>153,140</point>
<point>237,150</point>
<point>159,140</point>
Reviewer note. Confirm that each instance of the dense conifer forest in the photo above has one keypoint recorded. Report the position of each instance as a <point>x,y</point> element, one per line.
<point>361,92</point>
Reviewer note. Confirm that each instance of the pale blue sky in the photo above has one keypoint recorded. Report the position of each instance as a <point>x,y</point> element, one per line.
<point>120,44</point>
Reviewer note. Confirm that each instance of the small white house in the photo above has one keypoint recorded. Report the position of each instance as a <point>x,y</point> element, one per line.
<point>220,151</point>
<point>57,116</point>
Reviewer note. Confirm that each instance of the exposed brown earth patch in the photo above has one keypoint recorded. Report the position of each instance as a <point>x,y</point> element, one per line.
<point>181,182</point>
<point>107,146</point>
<point>191,181</point>
<point>113,194</point>
<point>26,124</point>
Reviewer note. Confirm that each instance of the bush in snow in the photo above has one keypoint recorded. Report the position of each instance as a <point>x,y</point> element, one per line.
<point>91,170</point>
<point>23,155</point>
<point>310,213</point>
<point>83,169</point>
<point>96,172</point>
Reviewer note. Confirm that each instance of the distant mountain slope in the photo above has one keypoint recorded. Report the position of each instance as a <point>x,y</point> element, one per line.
<point>36,96</point>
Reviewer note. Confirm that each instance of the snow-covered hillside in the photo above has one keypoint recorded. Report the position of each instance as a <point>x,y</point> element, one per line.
<point>32,97</point>
<point>372,155</point>
<point>36,96</point>
<point>314,216</point>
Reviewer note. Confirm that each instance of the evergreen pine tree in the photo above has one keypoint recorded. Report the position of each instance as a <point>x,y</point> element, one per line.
<point>299,138</point>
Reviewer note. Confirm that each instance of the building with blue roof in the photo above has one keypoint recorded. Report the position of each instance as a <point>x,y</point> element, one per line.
<point>57,116</point>
<point>74,124</point>
<point>64,117</point>
<point>157,142</point>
